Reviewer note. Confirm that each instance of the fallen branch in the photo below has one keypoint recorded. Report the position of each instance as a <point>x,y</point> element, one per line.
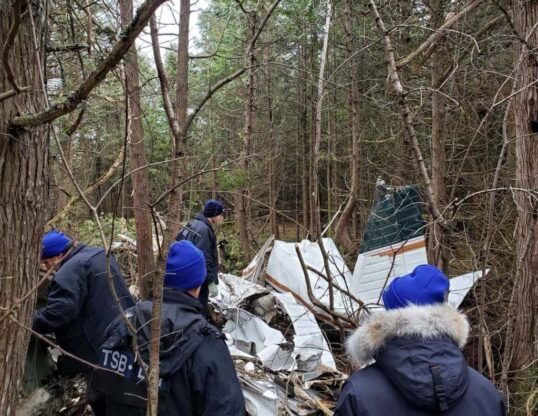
<point>337,317</point>
<point>341,289</point>
<point>74,199</point>
<point>328,271</point>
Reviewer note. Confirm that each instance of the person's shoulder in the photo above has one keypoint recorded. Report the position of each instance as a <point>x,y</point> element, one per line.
<point>479,382</point>
<point>213,344</point>
<point>82,254</point>
<point>200,221</point>
<point>369,379</point>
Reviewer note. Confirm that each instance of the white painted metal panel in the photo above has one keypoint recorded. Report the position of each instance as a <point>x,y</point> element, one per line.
<point>284,272</point>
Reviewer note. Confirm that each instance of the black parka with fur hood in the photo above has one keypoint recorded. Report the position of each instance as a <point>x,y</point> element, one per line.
<point>419,369</point>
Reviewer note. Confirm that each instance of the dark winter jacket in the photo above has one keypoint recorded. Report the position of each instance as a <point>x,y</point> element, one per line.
<point>196,370</point>
<point>200,232</point>
<point>419,368</point>
<point>80,306</point>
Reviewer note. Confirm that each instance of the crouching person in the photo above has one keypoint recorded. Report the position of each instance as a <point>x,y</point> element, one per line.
<point>419,368</point>
<point>197,374</point>
<point>80,305</point>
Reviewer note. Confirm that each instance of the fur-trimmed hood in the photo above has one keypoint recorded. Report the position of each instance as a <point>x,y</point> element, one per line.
<point>425,322</point>
<point>410,344</point>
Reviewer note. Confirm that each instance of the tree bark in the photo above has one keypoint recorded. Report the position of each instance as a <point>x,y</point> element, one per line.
<point>241,205</point>
<point>182,94</point>
<point>141,197</point>
<point>438,252</point>
<point>523,325</point>
<point>315,220</point>
<point>303,136</point>
<point>24,173</point>
<point>341,233</point>
<point>273,146</point>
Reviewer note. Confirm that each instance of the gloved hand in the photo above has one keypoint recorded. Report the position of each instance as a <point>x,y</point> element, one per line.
<point>213,289</point>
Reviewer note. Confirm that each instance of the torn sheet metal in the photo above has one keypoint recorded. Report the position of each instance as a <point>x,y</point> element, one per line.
<point>461,285</point>
<point>310,343</point>
<point>269,395</point>
<point>251,335</point>
<point>261,398</point>
<point>264,397</point>
<point>235,291</point>
<point>254,269</point>
<point>376,269</point>
<point>285,274</point>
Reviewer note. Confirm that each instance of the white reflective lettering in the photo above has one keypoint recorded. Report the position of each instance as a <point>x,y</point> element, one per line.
<point>115,357</point>
<point>122,364</point>
<point>107,353</point>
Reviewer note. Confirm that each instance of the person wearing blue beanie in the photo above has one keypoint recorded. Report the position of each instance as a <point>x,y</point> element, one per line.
<point>80,305</point>
<point>200,231</point>
<point>411,353</point>
<point>198,373</point>
<point>426,285</point>
<point>54,243</point>
<point>185,266</point>
<point>213,208</point>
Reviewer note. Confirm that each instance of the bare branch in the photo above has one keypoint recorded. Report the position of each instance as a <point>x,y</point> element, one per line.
<point>121,47</point>
<point>12,93</point>
<point>165,89</point>
<point>435,37</point>
<point>68,48</point>
<point>337,317</point>
<point>406,112</point>
<point>64,352</point>
<point>100,181</point>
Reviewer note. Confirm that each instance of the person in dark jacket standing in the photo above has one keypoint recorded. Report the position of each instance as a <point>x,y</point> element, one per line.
<point>200,232</point>
<point>419,369</point>
<point>80,305</point>
<point>197,374</point>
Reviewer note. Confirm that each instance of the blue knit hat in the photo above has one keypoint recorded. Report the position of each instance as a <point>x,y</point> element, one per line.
<point>212,208</point>
<point>426,285</point>
<point>185,266</point>
<point>54,243</point>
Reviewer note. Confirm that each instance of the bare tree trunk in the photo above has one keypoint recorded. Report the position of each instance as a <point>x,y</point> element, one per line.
<point>24,172</point>
<point>68,190</point>
<point>303,135</point>
<point>178,147</point>
<point>342,234</point>
<point>242,214</point>
<point>522,347</point>
<point>144,240</point>
<point>438,237</point>
<point>273,218</point>
<point>314,192</point>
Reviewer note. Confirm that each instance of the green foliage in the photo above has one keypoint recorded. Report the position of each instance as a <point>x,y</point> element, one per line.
<point>525,392</point>
<point>87,231</point>
<point>231,180</point>
<point>234,260</point>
